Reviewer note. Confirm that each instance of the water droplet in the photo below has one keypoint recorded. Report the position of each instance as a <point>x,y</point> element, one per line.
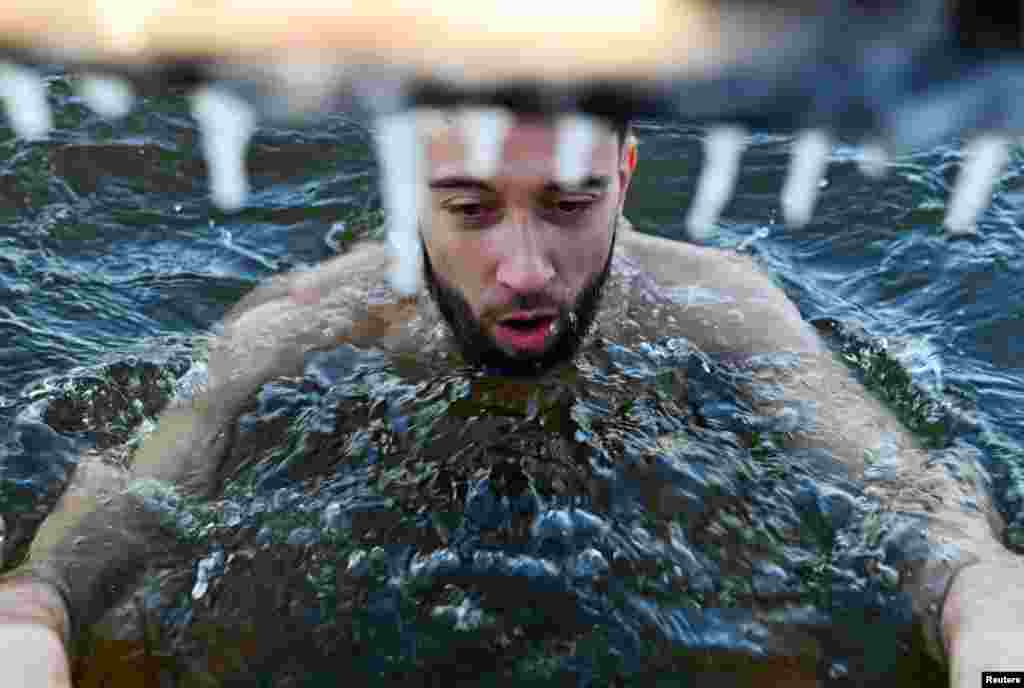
<point>838,670</point>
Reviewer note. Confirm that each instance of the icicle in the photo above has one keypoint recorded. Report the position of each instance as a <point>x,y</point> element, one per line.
<point>24,97</point>
<point>577,135</point>
<point>723,147</point>
<point>400,154</point>
<point>806,170</point>
<point>111,97</point>
<point>483,130</point>
<point>874,160</point>
<point>226,124</point>
<point>984,160</point>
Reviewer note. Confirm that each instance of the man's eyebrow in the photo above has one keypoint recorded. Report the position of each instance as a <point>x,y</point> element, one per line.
<point>460,183</point>
<point>591,183</point>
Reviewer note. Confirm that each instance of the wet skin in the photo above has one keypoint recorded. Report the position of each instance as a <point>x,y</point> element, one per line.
<point>518,245</point>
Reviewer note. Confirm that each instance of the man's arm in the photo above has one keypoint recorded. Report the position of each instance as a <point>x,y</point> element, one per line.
<point>93,547</point>
<point>959,524</point>
<point>102,535</point>
<point>970,597</point>
<point>965,587</point>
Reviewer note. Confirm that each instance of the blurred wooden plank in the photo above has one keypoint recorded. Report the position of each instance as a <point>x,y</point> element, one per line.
<point>490,41</point>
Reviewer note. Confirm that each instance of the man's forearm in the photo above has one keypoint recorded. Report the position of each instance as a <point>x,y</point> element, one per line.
<point>98,557</point>
<point>104,532</point>
<point>952,523</point>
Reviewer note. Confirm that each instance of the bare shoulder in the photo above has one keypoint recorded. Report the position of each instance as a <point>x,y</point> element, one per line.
<point>720,300</point>
<point>370,254</point>
<point>362,265</point>
<point>672,263</point>
<point>344,300</point>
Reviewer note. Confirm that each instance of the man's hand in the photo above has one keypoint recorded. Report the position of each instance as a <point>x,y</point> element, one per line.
<point>983,620</point>
<point>33,626</point>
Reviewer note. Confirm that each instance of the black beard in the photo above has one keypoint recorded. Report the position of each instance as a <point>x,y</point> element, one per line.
<point>480,349</point>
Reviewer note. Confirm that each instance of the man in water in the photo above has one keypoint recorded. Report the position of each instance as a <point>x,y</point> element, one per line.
<point>521,272</point>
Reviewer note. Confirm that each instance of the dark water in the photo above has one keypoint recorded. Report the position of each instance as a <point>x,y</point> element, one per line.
<point>608,523</point>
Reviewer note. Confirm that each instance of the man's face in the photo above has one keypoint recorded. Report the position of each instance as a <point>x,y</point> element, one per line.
<point>516,261</point>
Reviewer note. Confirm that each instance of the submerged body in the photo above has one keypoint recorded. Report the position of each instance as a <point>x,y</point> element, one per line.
<point>517,264</point>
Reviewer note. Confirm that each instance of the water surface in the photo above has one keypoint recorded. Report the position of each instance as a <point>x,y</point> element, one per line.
<point>630,518</point>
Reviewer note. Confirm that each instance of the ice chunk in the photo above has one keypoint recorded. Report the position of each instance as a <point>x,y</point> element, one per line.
<point>723,147</point>
<point>226,123</point>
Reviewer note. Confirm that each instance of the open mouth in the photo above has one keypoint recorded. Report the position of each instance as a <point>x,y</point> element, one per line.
<point>525,334</point>
<point>527,324</point>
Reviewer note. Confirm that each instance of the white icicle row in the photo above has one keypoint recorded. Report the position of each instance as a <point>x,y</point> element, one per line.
<point>806,170</point>
<point>400,157</point>
<point>483,131</point>
<point>723,147</point>
<point>23,93</point>
<point>984,160</point>
<point>226,124</point>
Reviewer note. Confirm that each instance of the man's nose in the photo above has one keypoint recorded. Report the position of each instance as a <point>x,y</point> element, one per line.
<point>525,268</point>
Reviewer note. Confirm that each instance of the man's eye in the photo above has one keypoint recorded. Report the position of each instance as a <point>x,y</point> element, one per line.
<point>472,213</point>
<point>469,210</point>
<point>571,208</point>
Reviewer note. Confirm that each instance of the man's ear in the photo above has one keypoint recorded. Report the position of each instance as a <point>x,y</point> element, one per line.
<point>630,154</point>
<point>628,162</point>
